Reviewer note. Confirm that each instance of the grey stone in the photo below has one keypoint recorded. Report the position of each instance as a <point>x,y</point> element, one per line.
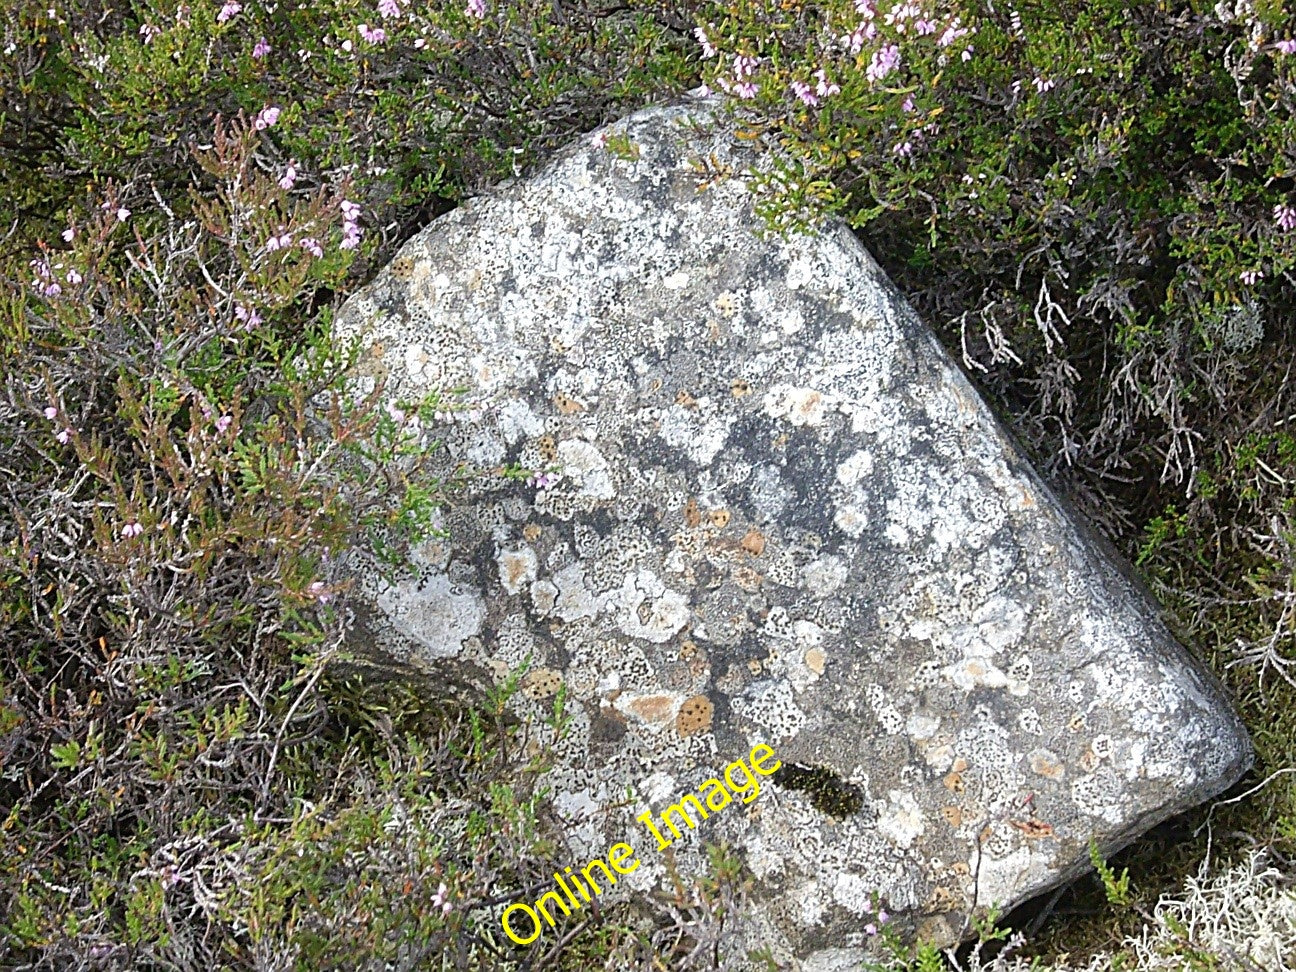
<point>781,515</point>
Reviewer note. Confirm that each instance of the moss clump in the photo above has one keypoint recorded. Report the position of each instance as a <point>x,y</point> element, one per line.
<point>828,792</point>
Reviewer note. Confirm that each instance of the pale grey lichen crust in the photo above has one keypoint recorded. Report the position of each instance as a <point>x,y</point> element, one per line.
<point>777,493</point>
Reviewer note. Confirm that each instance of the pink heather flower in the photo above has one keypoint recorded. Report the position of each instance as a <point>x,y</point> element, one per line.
<point>148,32</point>
<point>224,423</point>
<point>68,234</point>
<point>746,89</point>
<point>311,246</point>
<point>476,8</point>
<point>884,62</point>
<point>419,43</point>
<point>744,65</point>
<point>708,50</point>
<point>250,318</point>
<point>442,900</point>
<point>397,414</point>
<point>41,267</point>
<point>900,13</point>
<point>350,211</point>
<point>279,242</point>
<point>131,530</point>
<point>854,41</point>
<point>319,590</point>
<point>51,412</point>
<point>350,236</point>
<point>1248,277</point>
<point>1043,84</point>
<point>866,8</point>
<point>231,8</point>
<point>266,118</point>
<point>73,277</point>
<point>389,8</point>
<point>952,33</point>
<point>902,148</point>
<point>599,139</point>
<point>64,436</point>
<point>870,929</point>
<point>1285,217</point>
<point>967,53</point>
<point>261,49</point>
<point>803,91</point>
<point>51,290</point>
<point>908,104</point>
<point>375,35</point>
<point>924,27</point>
<point>123,214</point>
<point>289,177</point>
<point>883,917</point>
<point>1287,46</point>
<point>825,88</point>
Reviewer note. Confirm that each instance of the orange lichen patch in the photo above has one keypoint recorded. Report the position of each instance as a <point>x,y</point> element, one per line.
<point>685,399</point>
<point>692,517</point>
<point>548,448</point>
<point>1089,761</point>
<point>954,778</point>
<point>754,542</point>
<point>953,815</point>
<point>943,900</point>
<point>514,569</point>
<point>688,649</point>
<point>1047,765</point>
<point>541,683</point>
<point>531,532</point>
<point>738,388</point>
<point>720,518</point>
<point>567,405</point>
<point>694,716</point>
<point>1033,828</point>
<point>653,708</point>
<point>815,659</point>
<point>808,408</point>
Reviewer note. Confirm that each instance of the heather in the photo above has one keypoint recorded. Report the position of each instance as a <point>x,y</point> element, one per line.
<point>1094,204</point>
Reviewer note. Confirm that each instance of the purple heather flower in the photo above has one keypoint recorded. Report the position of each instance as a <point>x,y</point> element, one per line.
<point>1248,277</point>
<point>266,118</point>
<point>476,8</point>
<point>73,277</point>
<point>923,27</point>
<point>261,49</point>
<point>231,8</point>
<point>389,8</point>
<point>825,88</point>
<point>1287,46</point>
<point>131,530</point>
<point>279,242</point>
<point>885,60</point>
<point>148,32</point>
<point>319,590</point>
<point>311,246</point>
<point>224,423</point>
<point>123,214</point>
<point>870,929</point>
<point>804,92</point>
<point>68,234</point>
<point>866,8</point>
<point>744,65</point>
<point>1285,217</point>
<point>442,900</point>
<point>289,177</point>
<point>372,35</point>
<point>250,318</point>
<point>708,50</point>
<point>903,148</point>
<point>952,33</point>
<point>350,211</point>
<point>64,435</point>
<point>746,89</point>
<point>967,53</point>
<point>51,412</point>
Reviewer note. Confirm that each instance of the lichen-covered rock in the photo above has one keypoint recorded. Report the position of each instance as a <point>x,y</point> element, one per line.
<point>772,510</point>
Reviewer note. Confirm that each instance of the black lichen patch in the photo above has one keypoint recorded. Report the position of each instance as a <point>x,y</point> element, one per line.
<point>827,791</point>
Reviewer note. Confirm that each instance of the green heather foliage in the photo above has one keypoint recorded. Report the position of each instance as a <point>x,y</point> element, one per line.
<point>1093,203</point>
